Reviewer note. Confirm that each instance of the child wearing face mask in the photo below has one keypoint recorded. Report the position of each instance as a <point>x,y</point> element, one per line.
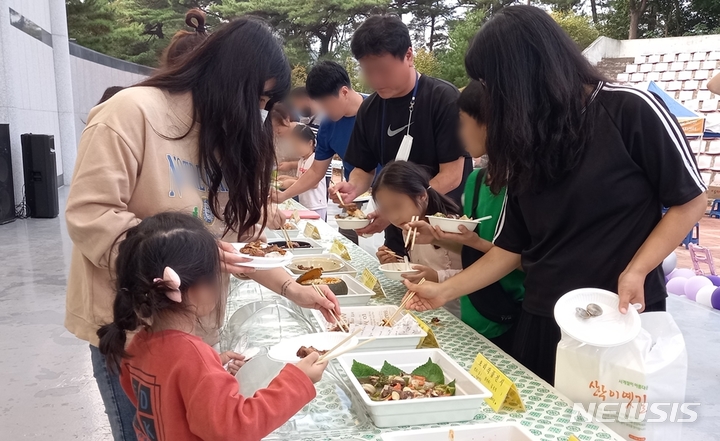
<point>402,190</point>
<point>168,275</point>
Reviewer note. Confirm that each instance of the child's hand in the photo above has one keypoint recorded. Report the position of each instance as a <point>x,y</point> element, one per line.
<point>465,237</point>
<point>287,166</point>
<point>426,273</point>
<point>384,255</point>
<point>233,360</point>
<point>313,370</point>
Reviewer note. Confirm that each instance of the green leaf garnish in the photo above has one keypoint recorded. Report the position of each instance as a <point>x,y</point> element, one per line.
<point>431,371</point>
<point>362,370</point>
<point>388,369</point>
<point>451,388</point>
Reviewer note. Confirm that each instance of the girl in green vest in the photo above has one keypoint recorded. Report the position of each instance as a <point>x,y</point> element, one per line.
<point>493,310</point>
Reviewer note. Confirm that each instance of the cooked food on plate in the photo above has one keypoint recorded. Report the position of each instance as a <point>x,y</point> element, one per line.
<point>289,226</point>
<point>314,277</point>
<point>452,216</point>
<point>351,211</point>
<point>259,249</point>
<point>390,383</point>
<point>283,244</point>
<point>304,351</point>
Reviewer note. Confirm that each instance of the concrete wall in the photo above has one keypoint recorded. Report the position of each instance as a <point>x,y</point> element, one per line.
<point>48,85</point>
<point>605,47</point>
<point>91,77</point>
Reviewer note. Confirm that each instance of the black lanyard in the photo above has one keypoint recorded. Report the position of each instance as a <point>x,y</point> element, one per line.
<point>382,123</point>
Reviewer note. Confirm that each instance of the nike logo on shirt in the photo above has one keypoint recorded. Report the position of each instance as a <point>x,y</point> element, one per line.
<point>392,133</point>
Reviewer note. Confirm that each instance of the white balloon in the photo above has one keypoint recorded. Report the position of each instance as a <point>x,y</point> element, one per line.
<point>669,263</point>
<point>704,295</point>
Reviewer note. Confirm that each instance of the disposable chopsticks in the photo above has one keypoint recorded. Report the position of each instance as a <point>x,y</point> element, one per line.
<point>339,321</point>
<point>344,340</point>
<point>411,294</point>
<point>337,354</point>
<point>412,234</point>
<point>287,237</point>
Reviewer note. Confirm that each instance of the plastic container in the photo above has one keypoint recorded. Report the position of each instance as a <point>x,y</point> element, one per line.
<point>451,225</point>
<point>332,264</point>
<point>358,294</point>
<point>352,223</point>
<point>470,393</point>
<point>358,314</point>
<point>475,432</point>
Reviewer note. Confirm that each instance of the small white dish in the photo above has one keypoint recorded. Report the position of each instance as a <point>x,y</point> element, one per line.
<point>396,271</point>
<point>286,350</point>
<point>452,225</point>
<point>609,329</point>
<point>352,223</point>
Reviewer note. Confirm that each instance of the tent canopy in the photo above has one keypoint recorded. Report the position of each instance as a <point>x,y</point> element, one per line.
<point>692,123</point>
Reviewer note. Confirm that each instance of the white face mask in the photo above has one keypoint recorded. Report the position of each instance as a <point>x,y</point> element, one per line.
<point>263,115</point>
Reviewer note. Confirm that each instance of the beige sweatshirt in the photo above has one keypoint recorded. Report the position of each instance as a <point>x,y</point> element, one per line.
<point>128,168</point>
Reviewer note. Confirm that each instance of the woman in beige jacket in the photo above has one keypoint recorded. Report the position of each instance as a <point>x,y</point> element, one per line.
<point>191,138</point>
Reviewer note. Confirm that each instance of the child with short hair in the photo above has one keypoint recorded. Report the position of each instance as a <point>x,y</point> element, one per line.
<point>168,275</point>
<point>302,139</point>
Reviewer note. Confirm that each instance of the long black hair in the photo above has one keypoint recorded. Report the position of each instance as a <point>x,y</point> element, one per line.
<point>413,180</point>
<point>174,240</point>
<point>537,82</point>
<point>227,76</point>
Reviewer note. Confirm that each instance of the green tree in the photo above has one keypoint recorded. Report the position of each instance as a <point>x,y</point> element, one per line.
<point>303,24</point>
<point>452,58</point>
<point>579,27</point>
<point>429,20</point>
<point>426,63</point>
<point>91,23</point>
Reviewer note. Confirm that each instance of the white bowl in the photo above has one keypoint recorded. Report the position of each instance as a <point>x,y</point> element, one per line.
<point>469,396</point>
<point>395,271</point>
<point>352,223</point>
<point>286,350</point>
<point>451,225</point>
<point>609,329</point>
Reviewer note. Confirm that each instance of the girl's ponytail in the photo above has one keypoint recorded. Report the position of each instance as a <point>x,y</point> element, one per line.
<point>114,335</point>
<point>439,203</point>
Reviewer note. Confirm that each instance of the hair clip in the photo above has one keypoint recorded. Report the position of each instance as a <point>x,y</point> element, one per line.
<point>172,280</point>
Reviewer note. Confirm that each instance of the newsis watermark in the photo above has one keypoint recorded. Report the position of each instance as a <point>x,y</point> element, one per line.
<point>635,412</point>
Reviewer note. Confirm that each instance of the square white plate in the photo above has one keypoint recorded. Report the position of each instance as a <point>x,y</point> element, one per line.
<point>470,393</point>
<point>381,343</point>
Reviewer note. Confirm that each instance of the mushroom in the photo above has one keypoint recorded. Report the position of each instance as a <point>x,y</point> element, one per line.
<point>369,388</point>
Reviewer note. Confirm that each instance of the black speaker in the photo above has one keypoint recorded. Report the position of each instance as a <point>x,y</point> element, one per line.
<point>7,194</point>
<point>41,193</point>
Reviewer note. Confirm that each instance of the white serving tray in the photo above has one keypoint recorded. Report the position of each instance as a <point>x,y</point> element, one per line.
<point>347,268</point>
<point>354,315</point>
<point>358,294</point>
<point>315,248</point>
<point>470,393</point>
<point>477,432</point>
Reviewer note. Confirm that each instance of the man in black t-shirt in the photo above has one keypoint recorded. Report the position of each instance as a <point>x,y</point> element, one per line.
<point>383,49</point>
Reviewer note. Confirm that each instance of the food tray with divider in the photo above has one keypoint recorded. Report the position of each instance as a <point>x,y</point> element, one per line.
<point>385,339</point>
<point>463,406</point>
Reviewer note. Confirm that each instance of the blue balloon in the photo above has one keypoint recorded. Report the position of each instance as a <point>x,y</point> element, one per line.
<point>714,279</point>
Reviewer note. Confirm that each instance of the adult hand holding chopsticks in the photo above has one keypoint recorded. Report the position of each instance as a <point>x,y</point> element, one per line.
<point>428,295</point>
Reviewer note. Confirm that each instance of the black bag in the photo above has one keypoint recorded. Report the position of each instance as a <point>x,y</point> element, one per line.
<point>492,301</point>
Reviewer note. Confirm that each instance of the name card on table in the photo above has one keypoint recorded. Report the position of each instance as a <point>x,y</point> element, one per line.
<point>296,217</point>
<point>369,280</point>
<point>504,391</point>
<point>311,231</point>
<point>573,438</point>
<point>430,341</point>
<point>340,249</point>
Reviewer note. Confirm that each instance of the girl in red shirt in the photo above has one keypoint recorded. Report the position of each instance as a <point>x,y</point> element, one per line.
<point>168,274</point>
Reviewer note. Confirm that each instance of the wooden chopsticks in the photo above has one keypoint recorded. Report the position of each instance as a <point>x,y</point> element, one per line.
<point>389,251</point>
<point>342,342</point>
<point>287,237</point>
<point>342,204</point>
<point>342,323</point>
<point>327,357</point>
<point>389,321</point>
<point>412,234</point>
